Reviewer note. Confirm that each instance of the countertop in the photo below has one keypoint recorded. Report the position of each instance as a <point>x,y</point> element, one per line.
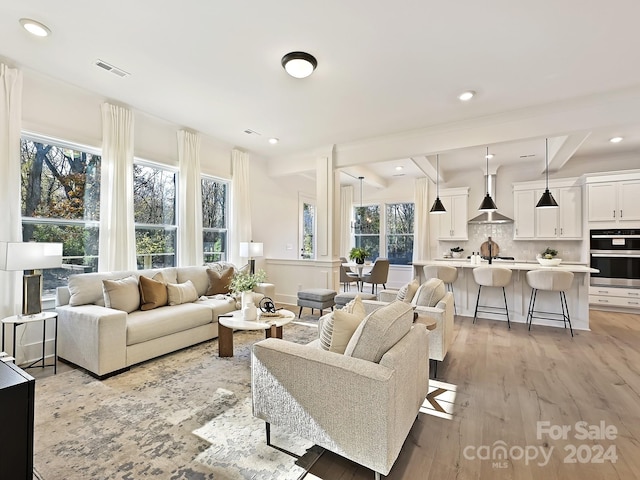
<point>513,265</point>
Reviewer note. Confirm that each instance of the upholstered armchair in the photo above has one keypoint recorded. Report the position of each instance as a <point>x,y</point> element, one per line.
<point>432,302</point>
<point>360,404</point>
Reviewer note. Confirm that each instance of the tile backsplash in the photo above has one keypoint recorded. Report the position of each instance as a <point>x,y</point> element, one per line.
<point>502,234</point>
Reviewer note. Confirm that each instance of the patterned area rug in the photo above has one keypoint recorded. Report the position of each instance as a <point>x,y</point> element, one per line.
<point>186,415</point>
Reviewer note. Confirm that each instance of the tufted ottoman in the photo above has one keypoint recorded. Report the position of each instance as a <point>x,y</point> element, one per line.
<point>343,298</point>
<point>319,298</point>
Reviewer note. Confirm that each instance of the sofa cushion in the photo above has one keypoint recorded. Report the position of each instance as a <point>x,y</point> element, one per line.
<point>197,275</point>
<point>144,326</point>
<point>122,294</point>
<point>429,293</point>
<point>86,288</point>
<point>380,331</point>
<point>408,291</point>
<point>180,293</point>
<point>153,292</point>
<point>338,327</point>
<point>219,280</point>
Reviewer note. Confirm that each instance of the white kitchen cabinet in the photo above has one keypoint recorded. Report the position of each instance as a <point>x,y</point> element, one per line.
<point>613,297</point>
<point>524,202</point>
<point>453,223</point>
<point>614,202</point>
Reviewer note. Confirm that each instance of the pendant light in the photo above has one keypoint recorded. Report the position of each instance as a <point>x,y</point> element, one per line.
<point>438,207</point>
<point>488,205</point>
<point>547,200</point>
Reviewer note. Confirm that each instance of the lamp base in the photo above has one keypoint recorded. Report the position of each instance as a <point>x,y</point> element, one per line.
<point>32,294</point>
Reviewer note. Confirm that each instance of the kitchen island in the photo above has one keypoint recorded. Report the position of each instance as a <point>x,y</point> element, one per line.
<point>518,291</point>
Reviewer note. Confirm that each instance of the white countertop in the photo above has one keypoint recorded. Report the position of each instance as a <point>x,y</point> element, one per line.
<point>513,265</point>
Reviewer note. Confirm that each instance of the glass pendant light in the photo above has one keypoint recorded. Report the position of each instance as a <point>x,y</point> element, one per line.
<point>547,200</point>
<point>488,205</point>
<point>437,207</point>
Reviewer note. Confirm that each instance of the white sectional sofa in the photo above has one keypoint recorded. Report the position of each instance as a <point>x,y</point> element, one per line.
<point>105,341</point>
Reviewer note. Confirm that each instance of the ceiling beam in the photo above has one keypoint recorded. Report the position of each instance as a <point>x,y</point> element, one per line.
<point>370,178</point>
<point>426,166</point>
<point>561,149</point>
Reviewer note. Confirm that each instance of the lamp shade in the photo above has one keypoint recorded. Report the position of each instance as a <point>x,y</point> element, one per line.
<point>547,200</point>
<point>488,205</point>
<point>438,207</point>
<point>30,255</point>
<point>251,249</point>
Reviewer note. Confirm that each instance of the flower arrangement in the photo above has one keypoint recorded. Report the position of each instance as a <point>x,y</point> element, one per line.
<point>359,254</point>
<point>549,253</point>
<point>245,281</point>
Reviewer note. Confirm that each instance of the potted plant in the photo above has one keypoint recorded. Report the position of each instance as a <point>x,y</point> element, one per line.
<point>358,254</point>
<point>246,281</point>
<point>456,252</point>
<point>548,257</point>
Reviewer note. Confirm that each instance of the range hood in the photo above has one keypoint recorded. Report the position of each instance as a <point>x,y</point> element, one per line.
<point>490,217</point>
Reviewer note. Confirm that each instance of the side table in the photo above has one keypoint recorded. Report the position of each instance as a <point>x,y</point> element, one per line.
<point>17,320</point>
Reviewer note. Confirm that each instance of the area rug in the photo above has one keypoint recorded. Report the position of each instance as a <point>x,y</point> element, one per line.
<point>186,415</point>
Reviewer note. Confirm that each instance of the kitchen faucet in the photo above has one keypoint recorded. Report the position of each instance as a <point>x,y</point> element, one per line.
<point>490,252</point>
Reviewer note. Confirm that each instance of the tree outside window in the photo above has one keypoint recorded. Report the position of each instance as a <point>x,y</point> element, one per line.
<point>154,206</point>
<point>60,202</point>
<point>399,233</point>
<point>367,229</point>
<point>214,219</point>
<point>308,229</point>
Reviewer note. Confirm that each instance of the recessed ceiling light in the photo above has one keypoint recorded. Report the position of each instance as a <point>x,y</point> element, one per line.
<point>615,139</point>
<point>299,64</point>
<point>489,156</point>
<point>35,28</point>
<point>273,140</point>
<point>466,96</point>
<point>399,167</point>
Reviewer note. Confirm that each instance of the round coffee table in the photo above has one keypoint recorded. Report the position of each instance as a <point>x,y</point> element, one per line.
<point>229,322</point>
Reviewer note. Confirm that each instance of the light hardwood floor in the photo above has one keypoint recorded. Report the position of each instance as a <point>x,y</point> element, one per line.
<point>507,381</point>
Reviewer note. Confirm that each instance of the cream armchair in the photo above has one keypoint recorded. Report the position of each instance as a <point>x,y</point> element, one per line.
<point>356,405</point>
<point>432,302</point>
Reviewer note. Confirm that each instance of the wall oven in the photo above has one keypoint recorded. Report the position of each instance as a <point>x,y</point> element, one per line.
<point>616,253</point>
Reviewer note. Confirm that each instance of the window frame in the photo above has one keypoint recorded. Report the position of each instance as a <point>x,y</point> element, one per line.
<point>224,255</point>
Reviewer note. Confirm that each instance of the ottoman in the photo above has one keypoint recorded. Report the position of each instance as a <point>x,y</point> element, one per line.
<point>343,298</point>
<point>319,298</point>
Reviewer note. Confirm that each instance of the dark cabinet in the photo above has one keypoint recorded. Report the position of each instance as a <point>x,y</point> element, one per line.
<point>16,422</point>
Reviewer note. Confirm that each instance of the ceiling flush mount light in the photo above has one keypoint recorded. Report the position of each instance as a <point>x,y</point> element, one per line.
<point>273,140</point>
<point>488,205</point>
<point>615,139</point>
<point>437,207</point>
<point>35,28</point>
<point>299,64</point>
<point>466,96</point>
<point>547,200</point>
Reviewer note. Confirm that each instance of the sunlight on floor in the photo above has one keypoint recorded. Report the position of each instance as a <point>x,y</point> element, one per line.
<point>440,399</point>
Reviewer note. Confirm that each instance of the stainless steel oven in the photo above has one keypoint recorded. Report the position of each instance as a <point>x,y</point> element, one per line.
<point>616,253</point>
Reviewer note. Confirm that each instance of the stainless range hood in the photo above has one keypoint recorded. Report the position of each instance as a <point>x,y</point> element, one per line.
<point>490,217</point>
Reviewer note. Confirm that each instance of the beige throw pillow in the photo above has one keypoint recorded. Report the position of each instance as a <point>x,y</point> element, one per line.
<point>429,293</point>
<point>121,294</point>
<point>407,292</point>
<point>153,292</point>
<point>179,293</point>
<point>337,328</point>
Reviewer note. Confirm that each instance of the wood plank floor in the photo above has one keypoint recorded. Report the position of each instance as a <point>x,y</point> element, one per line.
<point>509,380</point>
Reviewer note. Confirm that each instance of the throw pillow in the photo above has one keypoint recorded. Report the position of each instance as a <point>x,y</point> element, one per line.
<point>219,280</point>
<point>337,329</point>
<point>380,331</point>
<point>429,293</point>
<point>408,291</point>
<point>179,293</point>
<point>153,292</point>
<point>121,294</point>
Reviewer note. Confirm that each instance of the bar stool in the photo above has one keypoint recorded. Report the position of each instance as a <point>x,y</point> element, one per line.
<point>551,281</point>
<point>492,277</point>
<point>445,273</point>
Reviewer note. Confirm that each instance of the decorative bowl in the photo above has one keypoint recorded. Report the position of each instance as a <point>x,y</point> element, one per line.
<point>549,262</point>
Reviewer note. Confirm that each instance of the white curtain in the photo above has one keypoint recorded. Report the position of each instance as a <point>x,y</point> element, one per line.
<point>190,250</point>
<point>346,207</point>
<point>240,205</point>
<point>10,220</point>
<point>117,232</point>
<point>421,225</point>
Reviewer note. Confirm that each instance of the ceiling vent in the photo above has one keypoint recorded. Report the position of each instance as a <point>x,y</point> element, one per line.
<point>110,68</point>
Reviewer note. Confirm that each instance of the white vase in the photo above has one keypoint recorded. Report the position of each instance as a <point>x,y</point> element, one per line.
<point>246,297</point>
<point>249,310</point>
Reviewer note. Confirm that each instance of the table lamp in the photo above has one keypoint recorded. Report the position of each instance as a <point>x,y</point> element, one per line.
<point>30,256</point>
<point>251,249</point>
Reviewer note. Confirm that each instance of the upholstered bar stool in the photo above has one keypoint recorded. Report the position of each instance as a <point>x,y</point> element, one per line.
<point>445,273</point>
<point>492,277</point>
<point>551,281</point>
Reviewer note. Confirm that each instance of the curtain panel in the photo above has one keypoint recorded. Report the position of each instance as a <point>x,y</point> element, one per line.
<point>240,210</point>
<point>421,226</point>
<point>346,214</point>
<point>11,219</point>
<point>117,231</point>
<point>190,249</point>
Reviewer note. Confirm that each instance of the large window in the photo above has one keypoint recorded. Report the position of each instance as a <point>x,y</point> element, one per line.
<point>60,202</point>
<point>154,205</point>
<point>367,229</point>
<point>399,233</point>
<point>308,250</point>
<point>215,214</point>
